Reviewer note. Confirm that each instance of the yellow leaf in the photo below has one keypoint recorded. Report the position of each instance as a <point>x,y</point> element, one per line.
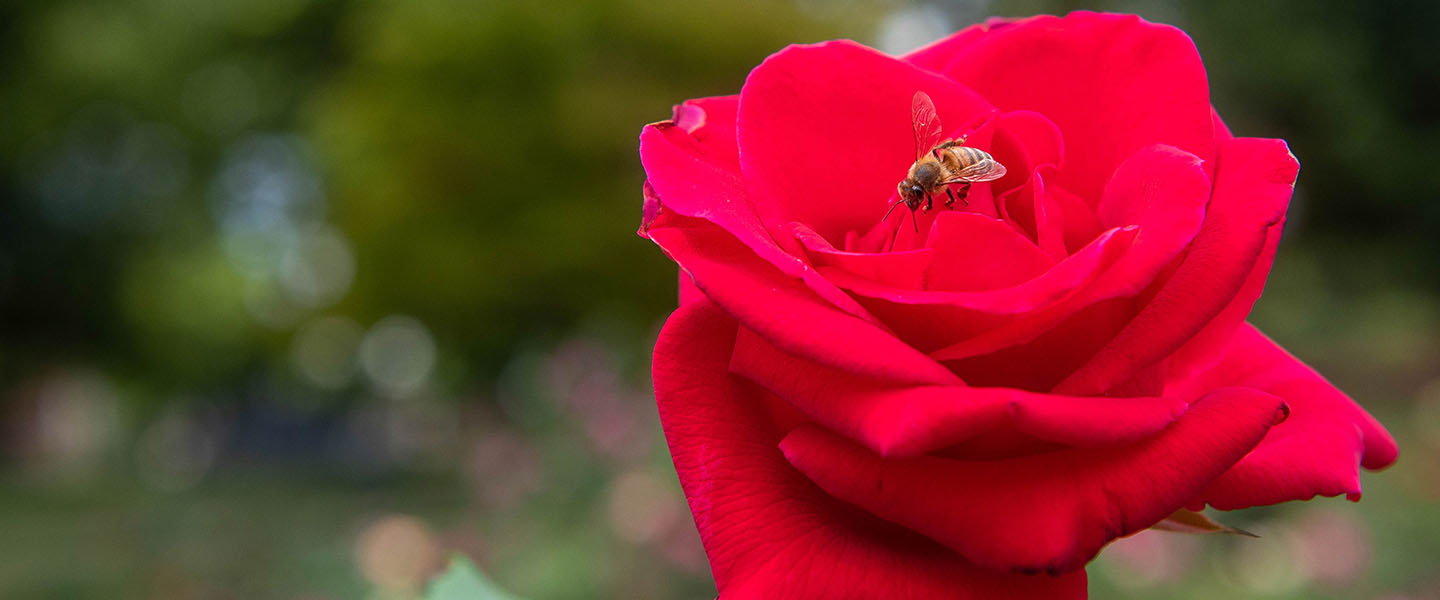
<point>1189,521</point>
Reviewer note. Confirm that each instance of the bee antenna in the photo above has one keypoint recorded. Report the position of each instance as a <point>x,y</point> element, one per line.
<point>892,208</point>
<point>913,222</point>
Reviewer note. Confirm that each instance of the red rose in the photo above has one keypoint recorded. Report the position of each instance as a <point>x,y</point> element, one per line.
<point>977,411</point>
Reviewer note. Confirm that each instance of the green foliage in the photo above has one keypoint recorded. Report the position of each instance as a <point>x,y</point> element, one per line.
<point>486,153</point>
<point>462,581</point>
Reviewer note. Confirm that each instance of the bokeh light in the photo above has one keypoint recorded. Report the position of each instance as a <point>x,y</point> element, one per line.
<point>397,355</point>
<point>72,423</point>
<point>325,351</point>
<point>642,507</point>
<point>1331,547</point>
<point>398,553</point>
<point>1151,558</point>
<point>175,451</point>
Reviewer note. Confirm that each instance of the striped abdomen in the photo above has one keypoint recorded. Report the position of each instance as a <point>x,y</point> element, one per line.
<point>956,158</point>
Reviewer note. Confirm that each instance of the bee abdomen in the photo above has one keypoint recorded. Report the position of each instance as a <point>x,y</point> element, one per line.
<point>965,156</point>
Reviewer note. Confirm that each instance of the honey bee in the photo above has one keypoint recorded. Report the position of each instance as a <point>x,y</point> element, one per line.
<point>939,165</point>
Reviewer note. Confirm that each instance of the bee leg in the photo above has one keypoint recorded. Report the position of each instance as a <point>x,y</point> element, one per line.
<point>929,202</point>
<point>965,191</point>
<point>951,202</point>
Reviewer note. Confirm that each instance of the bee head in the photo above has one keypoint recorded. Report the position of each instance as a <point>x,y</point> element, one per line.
<point>911,192</point>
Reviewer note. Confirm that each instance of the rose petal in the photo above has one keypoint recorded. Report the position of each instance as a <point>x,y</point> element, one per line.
<point>1063,278</point>
<point>1222,133</point>
<point>688,291</point>
<point>904,269</point>
<point>825,132</point>
<point>1252,190</point>
<point>783,309</point>
<point>901,420</point>
<point>1049,512</point>
<point>1113,83</point>
<point>1081,224</point>
<point>1037,350</point>
<point>1318,450</point>
<point>692,182</point>
<point>711,122</point>
<point>1208,345</point>
<point>1163,190</point>
<point>808,545</point>
<point>1036,136</point>
<point>685,179</point>
<point>1034,210</point>
<point>936,55</point>
<point>931,320</point>
<point>975,252</point>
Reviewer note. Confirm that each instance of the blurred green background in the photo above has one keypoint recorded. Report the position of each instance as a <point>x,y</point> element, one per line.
<point>298,297</point>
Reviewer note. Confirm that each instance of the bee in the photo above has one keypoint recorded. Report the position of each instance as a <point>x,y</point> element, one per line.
<point>939,165</point>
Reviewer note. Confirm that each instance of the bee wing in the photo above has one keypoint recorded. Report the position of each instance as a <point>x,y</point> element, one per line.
<point>925,123</point>
<point>985,170</point>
